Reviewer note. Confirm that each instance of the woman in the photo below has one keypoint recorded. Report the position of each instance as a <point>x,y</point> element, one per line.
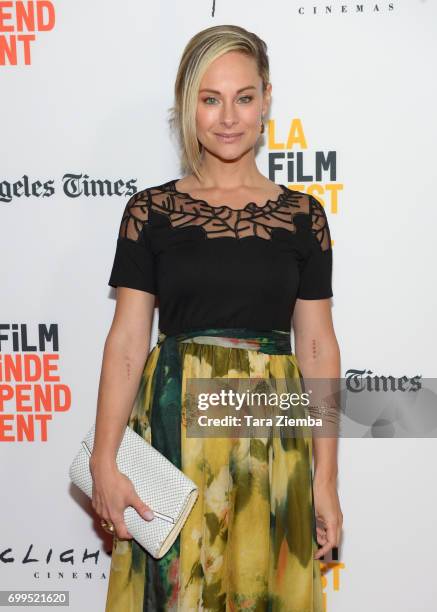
<point>230,256</point>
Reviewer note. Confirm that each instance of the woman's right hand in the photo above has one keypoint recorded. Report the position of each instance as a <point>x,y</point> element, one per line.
<point>113,491</point>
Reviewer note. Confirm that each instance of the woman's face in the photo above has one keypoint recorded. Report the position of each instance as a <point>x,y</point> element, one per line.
<point>231,102</point>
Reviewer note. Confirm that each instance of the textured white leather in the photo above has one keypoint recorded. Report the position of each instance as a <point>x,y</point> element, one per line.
<point>158,482</point>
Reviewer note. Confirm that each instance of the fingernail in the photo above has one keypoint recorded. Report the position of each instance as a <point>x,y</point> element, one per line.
<point>148,514</point>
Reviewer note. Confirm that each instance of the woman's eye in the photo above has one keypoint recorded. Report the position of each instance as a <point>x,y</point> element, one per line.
<point>248,98</point>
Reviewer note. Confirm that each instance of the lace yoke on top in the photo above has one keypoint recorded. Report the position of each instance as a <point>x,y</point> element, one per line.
<point>223,221</point>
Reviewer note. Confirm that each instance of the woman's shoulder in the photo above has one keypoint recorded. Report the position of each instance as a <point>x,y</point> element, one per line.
<point>152,189</point>
<point>155,198</point>
<point>143,197</point>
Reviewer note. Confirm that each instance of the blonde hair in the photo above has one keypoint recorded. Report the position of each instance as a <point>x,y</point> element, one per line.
<point>202,49</point>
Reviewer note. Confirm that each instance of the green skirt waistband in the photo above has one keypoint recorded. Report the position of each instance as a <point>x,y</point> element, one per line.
<point>273,342</point>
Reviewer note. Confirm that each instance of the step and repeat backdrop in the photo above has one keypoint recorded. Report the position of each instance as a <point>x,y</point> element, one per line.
<point>85,89</point>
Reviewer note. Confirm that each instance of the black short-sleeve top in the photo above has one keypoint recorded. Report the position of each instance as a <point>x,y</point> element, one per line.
<point>215,266</point>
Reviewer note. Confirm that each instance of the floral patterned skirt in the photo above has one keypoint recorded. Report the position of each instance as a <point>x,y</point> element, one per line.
<point>249,541</point>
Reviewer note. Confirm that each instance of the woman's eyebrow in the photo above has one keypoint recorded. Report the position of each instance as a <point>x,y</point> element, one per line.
<point>218,92</point>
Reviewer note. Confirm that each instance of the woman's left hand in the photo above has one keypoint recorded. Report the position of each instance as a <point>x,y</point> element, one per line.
<point>329,517</point>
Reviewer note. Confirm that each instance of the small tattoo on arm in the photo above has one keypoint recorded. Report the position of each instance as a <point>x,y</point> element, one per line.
<point>128,369</point>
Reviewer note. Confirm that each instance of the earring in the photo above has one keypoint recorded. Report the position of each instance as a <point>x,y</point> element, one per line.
<point>262,127</point>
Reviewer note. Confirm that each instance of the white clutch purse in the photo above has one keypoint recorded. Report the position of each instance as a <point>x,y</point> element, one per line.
<point>160,484</point>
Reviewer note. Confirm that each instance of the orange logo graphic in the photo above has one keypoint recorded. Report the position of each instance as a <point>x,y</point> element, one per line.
<point>20,23</point>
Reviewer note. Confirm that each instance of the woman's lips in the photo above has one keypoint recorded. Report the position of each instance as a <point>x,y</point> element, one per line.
<point>228,138</point>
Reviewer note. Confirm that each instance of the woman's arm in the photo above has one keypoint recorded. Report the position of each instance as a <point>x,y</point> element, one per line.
<point>125,352</point>
<point>318,356</point>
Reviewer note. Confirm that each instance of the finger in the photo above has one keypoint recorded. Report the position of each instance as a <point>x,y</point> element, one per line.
<point>142,508</point>
<point>321,552</point>
<point>330,543</point>
<point>326,547</point>
<point>121,530</point>
<point>321,531</point>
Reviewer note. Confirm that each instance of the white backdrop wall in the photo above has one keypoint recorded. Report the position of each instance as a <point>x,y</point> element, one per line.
<point>84,93</point>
